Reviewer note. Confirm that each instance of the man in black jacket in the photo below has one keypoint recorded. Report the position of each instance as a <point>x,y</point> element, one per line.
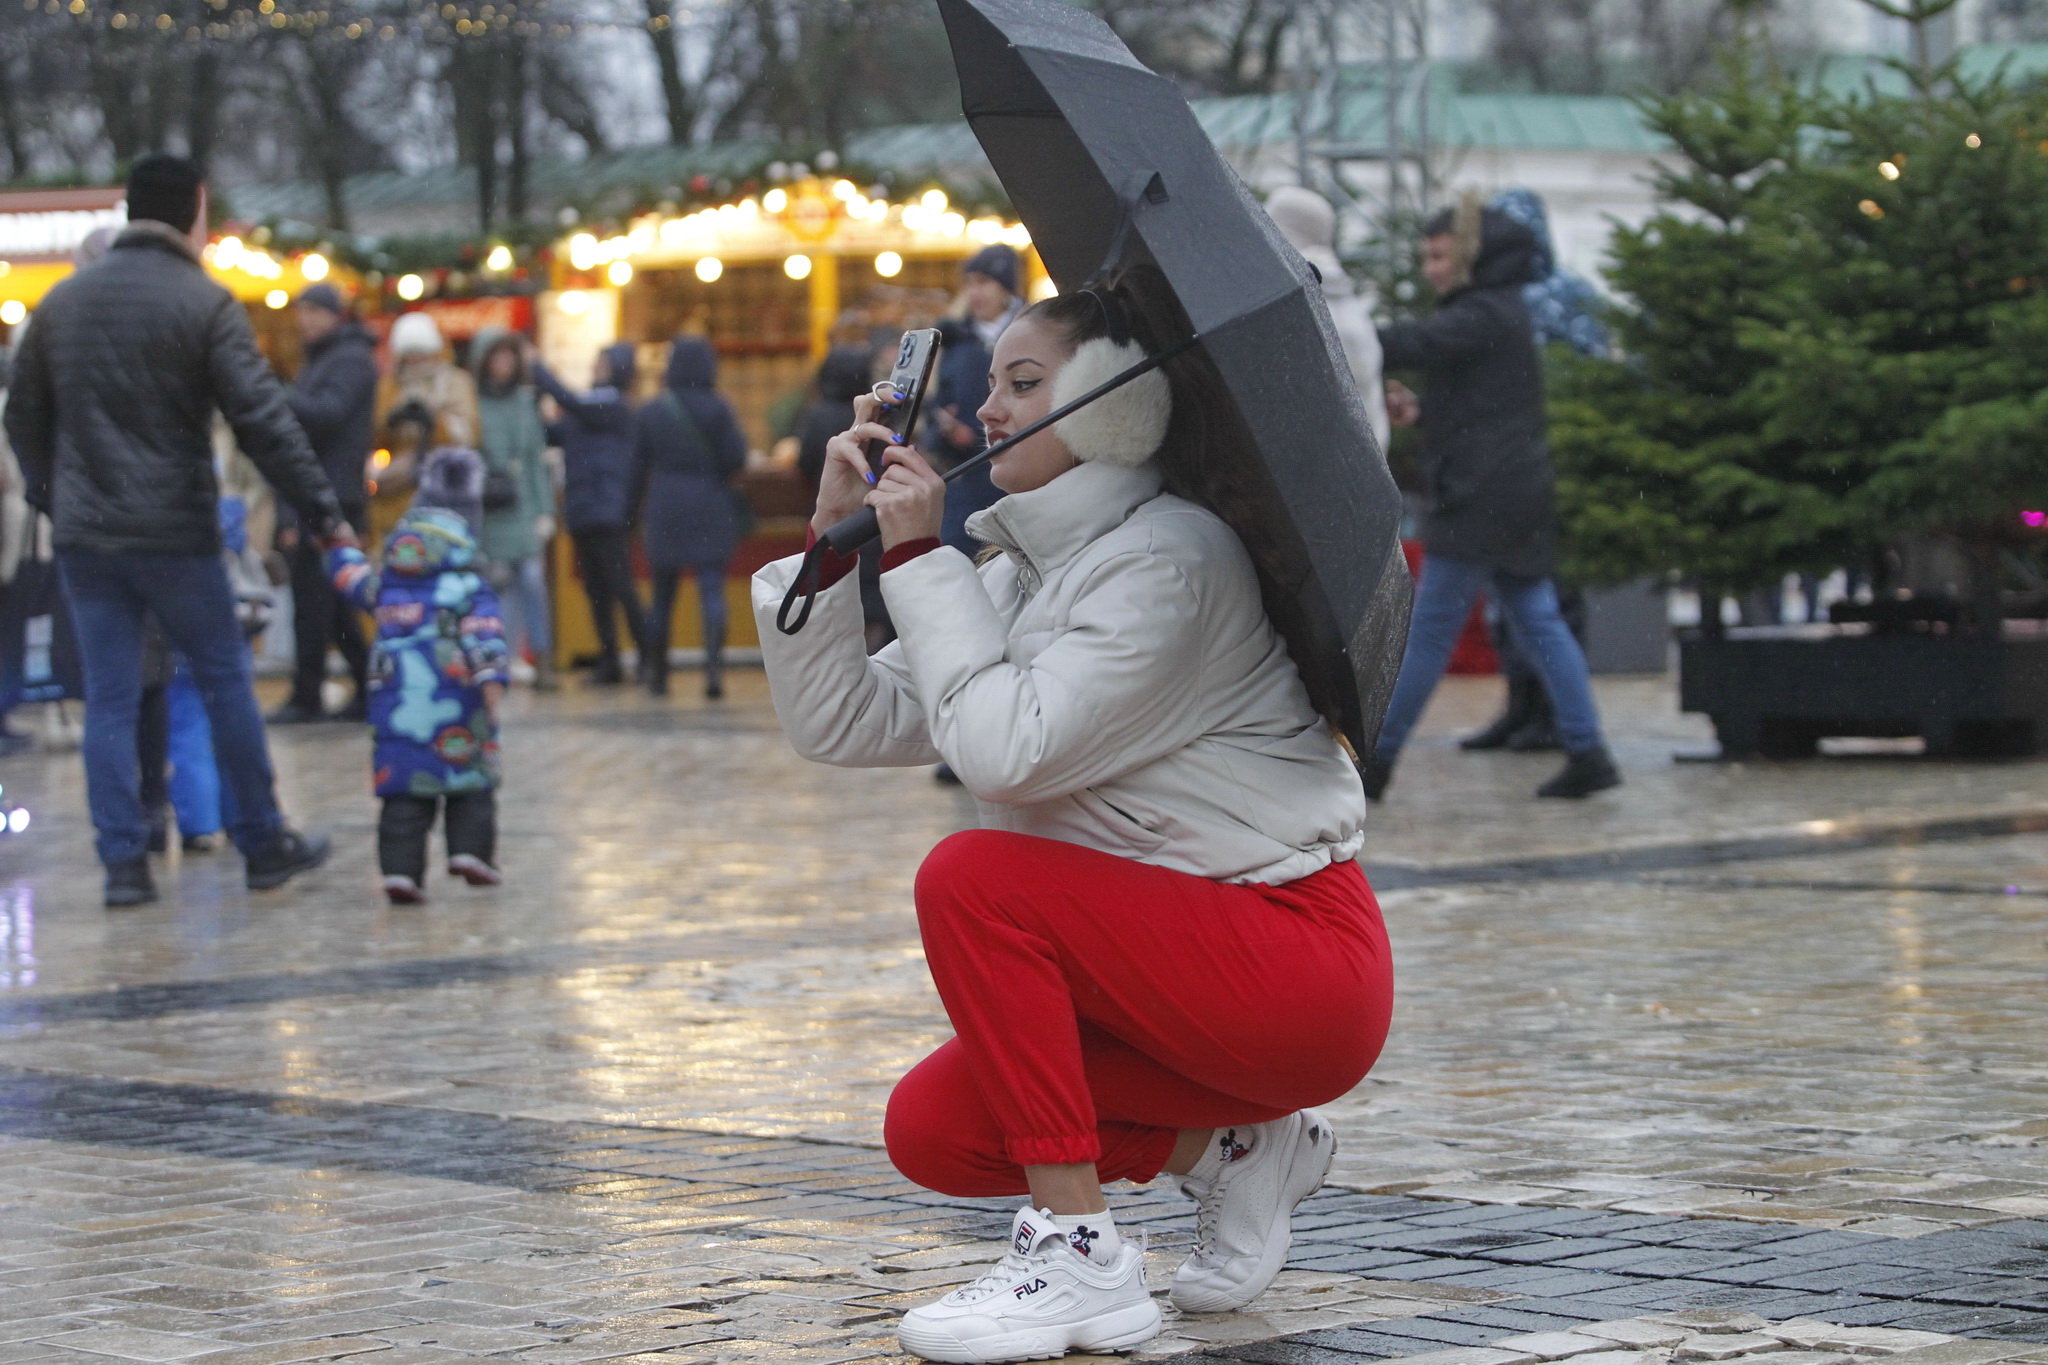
<point>1491,524</point>
<point>111,417</point>
<point>335,400</point>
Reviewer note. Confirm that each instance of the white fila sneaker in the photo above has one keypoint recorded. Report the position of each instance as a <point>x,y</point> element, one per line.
<point>1040,1301</point>
<point>1243,1217</point>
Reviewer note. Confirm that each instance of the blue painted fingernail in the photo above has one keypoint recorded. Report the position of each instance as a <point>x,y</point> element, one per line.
<point>897,438</point>
<point>871,476</point>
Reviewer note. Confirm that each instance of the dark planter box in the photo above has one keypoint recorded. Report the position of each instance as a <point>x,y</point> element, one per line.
<point>1777,692</point>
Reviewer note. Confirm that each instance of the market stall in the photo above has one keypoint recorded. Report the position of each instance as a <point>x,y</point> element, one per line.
<point>772,280</point>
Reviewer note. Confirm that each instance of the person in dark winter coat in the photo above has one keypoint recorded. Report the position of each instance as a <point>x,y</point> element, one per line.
<point>686,448</point>
<point>844,375</point>
<point>436,681</point>
<point>111,416</point>
<point>595,432</point>
<point>1491,524</point>
<point>335,400</point>
<point>989,286</point>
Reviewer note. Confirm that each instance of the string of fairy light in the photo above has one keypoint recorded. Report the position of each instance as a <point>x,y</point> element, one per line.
<point>230,21</point>
<point>929,221</point>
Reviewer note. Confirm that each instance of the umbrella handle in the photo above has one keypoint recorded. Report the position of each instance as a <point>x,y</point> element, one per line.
<point>849,535</point>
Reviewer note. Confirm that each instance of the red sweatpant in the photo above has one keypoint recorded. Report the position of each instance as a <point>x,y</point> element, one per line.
<point>1103,1004</point>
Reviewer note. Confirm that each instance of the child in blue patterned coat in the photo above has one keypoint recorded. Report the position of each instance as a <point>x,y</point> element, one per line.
<point>437,672</point>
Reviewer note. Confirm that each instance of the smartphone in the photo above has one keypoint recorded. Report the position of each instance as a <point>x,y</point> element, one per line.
<point>917,356</point>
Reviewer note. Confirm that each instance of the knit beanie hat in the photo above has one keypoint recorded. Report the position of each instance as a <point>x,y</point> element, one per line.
<point>165,189</point>
<point>416,334</point>
<point>996,261</point>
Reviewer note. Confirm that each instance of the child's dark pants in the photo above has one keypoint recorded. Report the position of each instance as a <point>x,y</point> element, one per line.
<point>471,827</point>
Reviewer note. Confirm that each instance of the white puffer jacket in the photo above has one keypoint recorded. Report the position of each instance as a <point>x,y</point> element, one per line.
<point>1110,680</point>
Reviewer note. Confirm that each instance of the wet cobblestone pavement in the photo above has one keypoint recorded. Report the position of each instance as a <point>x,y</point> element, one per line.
<point>1761,1042</point>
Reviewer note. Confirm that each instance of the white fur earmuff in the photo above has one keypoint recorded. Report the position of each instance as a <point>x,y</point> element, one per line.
<point>1125,427</point>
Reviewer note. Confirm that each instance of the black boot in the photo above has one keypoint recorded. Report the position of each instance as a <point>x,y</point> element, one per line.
<point>657,677</point>
<point>159,833</point>
<point>1375,772</point>
<point>1523,694</point>
<point>289,854</point>
<point>607,673</point>
<point>129,884</point>
<point>714,663</point>
<point>1582,775</point>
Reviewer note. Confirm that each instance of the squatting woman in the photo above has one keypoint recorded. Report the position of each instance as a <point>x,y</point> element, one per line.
<point>1158,950</point>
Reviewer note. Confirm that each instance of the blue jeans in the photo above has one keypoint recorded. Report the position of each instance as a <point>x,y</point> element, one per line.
<point>1443,602</point>
<point>522,586</point>
<point>190,598</point>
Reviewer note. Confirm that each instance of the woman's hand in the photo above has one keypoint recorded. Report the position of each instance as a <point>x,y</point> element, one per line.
<point>910,499</point>
<point>1404,409</point>
<point>846,480</point>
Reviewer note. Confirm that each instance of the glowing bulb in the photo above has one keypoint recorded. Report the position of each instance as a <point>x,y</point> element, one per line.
<point>313,266</point>
<point>1973,141</point>
<point>17,819</point>
<point>620,273</point>
<point>776,200</point>
<point>1888,170</point>
<point>1017,235</point>
<point>888,265</point>
<point>276,298</point>
<point>797,267</point>
<point>844,189</point>
<point>499,259</point>
<point>381,460</point>
<point>583,251</point>
<point>934,201</point>
<point>12,312</point>
<point>226,252</point>
<point>952,224</point>
<point>710,268</point>
<point>573,302</point>
<point>410,287</point>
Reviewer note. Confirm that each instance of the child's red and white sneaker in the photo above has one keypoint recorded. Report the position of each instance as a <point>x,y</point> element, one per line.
<point>403,891</point>
<point>1040,1301</point>
<point>474,870</point>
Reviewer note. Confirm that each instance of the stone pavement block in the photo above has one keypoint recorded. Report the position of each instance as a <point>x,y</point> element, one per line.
<point>1637,1332</point>
<point>1437,1329</point>
<point>1470,1355</point>
<point>1960,1353</point>
<point>130,1344</point>
<point>1554,1345</point>
<point>1715,1345</point>
<point>1712,1320</point>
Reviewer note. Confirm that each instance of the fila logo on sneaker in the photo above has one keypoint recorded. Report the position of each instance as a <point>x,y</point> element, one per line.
<point>1026,1235</point>
<point>1023,1290</point>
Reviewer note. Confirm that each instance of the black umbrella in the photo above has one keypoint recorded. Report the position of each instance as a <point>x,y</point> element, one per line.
<point>1123,192</point>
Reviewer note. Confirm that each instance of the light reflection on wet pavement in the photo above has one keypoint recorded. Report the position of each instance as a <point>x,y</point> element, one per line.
<point>702,933</point>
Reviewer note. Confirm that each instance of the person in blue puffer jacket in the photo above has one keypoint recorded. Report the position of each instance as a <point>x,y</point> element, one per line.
<point>437,674</point>
<point>595,432</point>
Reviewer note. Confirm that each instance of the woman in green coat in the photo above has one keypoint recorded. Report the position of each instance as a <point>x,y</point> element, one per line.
<point>519,513</point>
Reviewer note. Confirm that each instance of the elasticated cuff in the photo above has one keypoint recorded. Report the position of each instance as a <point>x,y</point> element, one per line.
<point>907,551</point>
<point>1055,1151</point>
<point>834,566</point>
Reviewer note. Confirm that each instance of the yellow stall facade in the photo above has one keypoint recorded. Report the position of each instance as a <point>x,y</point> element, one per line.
<point>772,281</point>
